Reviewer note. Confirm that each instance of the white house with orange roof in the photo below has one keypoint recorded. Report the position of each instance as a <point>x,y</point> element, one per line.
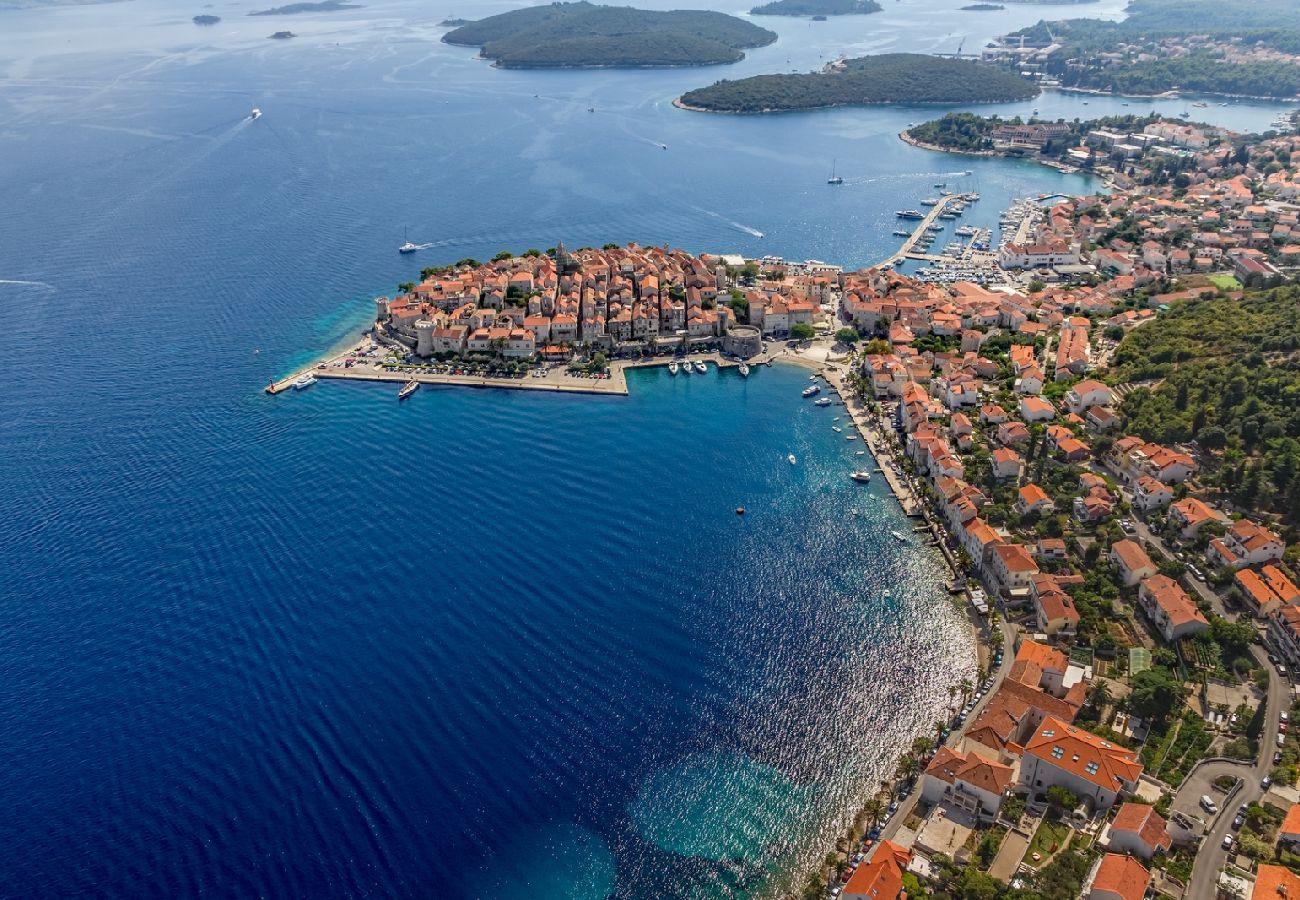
<point>1013,566</point>
<point>1189,515</point>
<point>1007,464</point>
<point>1090,767</point>
<point>1117,877</point>
<point>1033,499</point>
<point>1036,409</point>
<point>1137,830</point>
<point>1087,394</point>
<point>1131,562</point>
<point>881,877</point>
<point>1149,494</point>
<point>1245,543</point>
<point>1169,608</point>
<point>966,781</point>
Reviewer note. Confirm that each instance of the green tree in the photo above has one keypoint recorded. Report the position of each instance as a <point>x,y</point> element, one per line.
<point>1155,694</point>
<point>801,331</point>
<point>598,361</point>
<point>847,335</point>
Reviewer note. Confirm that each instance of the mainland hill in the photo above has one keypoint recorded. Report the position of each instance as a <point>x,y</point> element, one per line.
<point>816,8</point>
<point>587,35</point>
<point>888,78</point>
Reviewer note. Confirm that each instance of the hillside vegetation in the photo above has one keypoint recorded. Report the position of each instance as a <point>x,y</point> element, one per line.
<point>889,78</point>
<point>816,8</point>
<point>1272,23</point>
<point>1230,381</point>
<point>584,34</point>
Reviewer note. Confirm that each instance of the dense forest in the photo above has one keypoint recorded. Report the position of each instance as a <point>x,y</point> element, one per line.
<point>816,8</point>
<point>889,78</point>
<point>1201,71</point>
<point>1227,374</point>
<point>584,34</point>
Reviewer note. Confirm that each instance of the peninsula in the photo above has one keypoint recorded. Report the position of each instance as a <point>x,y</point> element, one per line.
<point>585,35</point>
<point>816,8</point>
<point>294,9</point>
<point>888,78</point>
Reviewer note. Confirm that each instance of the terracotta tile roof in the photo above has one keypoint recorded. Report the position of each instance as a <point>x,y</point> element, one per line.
<point>882,877</point>
<point>1274,882</point>
<point>1121,876</point>
<point>1291,824</point>
<point>1131,554</point>
<point>1084,755</point>
<point>1145,822</point>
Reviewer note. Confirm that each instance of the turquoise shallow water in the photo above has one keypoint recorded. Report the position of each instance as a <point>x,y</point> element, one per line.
<point>478,642</point>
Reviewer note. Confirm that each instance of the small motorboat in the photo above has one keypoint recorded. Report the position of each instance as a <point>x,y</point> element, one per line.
<point>822,401</point>
<point>861,453</point>
<point>837,429</point>
<point>408,389</point>
<point>702,367</point>
<point>685,368</point>
<point>898,537</point>
<point>740,510</point>
<point>861,476</point>
<point>850,437</point>
<point>744,370</point>
<point>672,367</point>
<point>791,459</point>
<point>811,389</point>
<point>255,114</point>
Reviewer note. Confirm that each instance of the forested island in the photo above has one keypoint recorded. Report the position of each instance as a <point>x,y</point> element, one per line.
<point>1203,46</point>
<point>1224,371</point>
<point>296,8</point>
<point>206,20</point>
<point>816,8</point>
<point>888,78</point>
<point>575,35</point>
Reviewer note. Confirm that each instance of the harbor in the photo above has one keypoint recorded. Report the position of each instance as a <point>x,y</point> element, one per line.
<point>916,244</point>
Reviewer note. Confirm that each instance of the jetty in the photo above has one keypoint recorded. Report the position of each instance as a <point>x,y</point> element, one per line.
<point>908,249</point>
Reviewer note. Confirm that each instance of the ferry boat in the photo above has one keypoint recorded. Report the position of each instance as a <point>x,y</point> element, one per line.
<point>702,367</point>
<point>812,389</point>
<point>822,401</point>
<point>861,476</point>
<point>791,459</point>
<point>304,382</point>
<point>672,367</point>
<point>909,214</point>
<point>408,389</point>
<point>255,114</point>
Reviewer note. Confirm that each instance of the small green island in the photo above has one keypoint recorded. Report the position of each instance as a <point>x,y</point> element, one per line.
<point>282,36</point>
<point>816,8</point>
<point>888,78</point>
<point>206,20</point>
<point>294,9</point>
<point>586,35</point>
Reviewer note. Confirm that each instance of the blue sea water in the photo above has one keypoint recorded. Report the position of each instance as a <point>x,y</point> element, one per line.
<point>479,642</point>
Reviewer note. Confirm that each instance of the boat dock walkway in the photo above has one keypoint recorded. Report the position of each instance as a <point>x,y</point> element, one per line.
<point>909,245</point>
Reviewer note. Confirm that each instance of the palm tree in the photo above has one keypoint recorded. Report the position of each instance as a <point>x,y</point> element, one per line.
<point>875,810</point>
<point>966,690</point>
<point>909,766</point>
<point>939,726</point>
<point>922,745</point>
<point>952,696</point>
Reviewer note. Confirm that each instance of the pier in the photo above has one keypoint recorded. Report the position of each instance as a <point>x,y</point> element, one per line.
<point>908,249</point>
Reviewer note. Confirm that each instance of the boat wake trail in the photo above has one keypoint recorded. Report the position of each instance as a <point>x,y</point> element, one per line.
<point>39,284</point>
<point>753,232</point>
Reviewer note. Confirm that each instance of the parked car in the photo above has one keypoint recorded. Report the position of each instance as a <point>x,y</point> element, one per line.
<point>1227,842</point>
<point>1265,782</point>
<point>1238,822</point>
<point>1277,757</point>
<point>1208,805</point>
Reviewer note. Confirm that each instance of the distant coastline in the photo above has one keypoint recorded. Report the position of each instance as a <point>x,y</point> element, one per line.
<point>294,9</point>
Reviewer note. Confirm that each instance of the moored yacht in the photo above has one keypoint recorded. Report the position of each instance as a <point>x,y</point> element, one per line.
<point>744,370</point>
<point>822,401</point>
<point>861,476</point>
<point>304,382</point>
<point>672,367</point>
<point>408,389</point>
<point>701,367</point>
<point>811,389</point>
